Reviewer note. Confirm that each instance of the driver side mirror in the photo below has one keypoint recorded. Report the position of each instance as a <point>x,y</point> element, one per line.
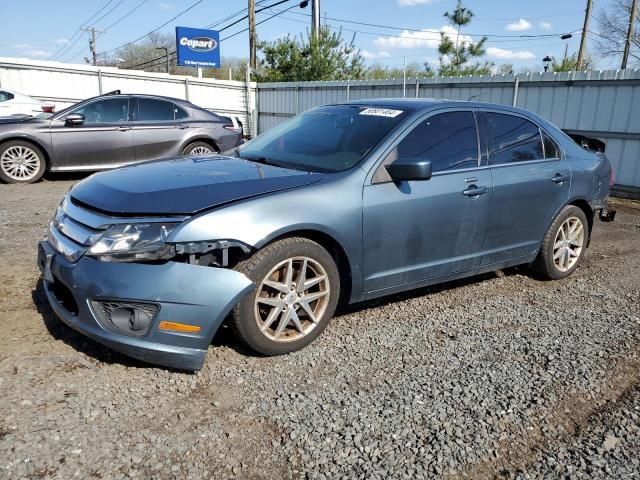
<point>404,169</point>
<point>74,119</point>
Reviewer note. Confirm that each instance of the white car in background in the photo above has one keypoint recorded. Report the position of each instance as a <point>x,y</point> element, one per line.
<point>14,103</point>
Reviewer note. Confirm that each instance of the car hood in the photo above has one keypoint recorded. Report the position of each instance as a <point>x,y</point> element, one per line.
<point>184,185</point>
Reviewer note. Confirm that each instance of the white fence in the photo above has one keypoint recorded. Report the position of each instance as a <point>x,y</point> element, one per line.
<point>601,104</point>
<point>65,84</point>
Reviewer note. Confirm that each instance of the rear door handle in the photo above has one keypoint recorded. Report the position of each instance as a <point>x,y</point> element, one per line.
<point>183,126</point>
<point>124,128</point>
<point>559,178</point>
<point>474,191</point>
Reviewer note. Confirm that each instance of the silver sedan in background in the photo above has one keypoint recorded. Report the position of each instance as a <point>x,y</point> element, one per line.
<point>110,131</point>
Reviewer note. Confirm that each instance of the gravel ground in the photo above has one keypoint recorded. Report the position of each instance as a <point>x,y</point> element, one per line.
<point>496,376</point>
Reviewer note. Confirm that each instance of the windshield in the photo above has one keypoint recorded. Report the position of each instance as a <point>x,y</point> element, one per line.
<point>325,139</point>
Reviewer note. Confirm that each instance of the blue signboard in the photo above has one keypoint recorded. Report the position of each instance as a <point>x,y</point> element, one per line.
<point>197,47</point>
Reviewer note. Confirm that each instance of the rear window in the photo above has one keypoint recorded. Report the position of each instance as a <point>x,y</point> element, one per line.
<point>151,110</point>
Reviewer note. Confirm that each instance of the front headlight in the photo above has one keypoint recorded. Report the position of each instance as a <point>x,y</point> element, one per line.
<point>133,242</point>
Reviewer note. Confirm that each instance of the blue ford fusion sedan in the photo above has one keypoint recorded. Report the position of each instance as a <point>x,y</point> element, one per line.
<point>342,203</point>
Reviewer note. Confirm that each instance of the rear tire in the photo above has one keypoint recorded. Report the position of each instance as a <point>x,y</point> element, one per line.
<point>297,290</point>
<point>21,162</point>
<point>198,148</point>
<point>563,245</point>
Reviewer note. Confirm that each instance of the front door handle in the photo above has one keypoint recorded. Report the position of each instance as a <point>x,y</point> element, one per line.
<point>474,191</point>
<point>559,178</point>
<point>124,128</point>
<point>183,126</point>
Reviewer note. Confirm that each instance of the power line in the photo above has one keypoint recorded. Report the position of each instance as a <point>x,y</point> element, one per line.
<point>426,30</point>
<point>154,30</point>
<point>108,12</point>
<point>146,63</point>
<point>69,45</point>
<point>521,38</point>
<point>126,15</point>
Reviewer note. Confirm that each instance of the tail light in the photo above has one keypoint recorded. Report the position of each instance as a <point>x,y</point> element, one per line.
<point>47,108</point>
<point>232,128</point>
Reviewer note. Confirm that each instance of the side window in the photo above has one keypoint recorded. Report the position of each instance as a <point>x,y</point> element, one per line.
<point>179,113</point>
<point>512,139</point>
<point>112,110</point>
<point>4,96</point>
<point>551,149</point>
<point>151,110</point>
<point>447,140</point>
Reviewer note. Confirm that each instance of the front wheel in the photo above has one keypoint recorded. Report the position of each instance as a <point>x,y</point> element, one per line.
<point>21,162</point>
<point>563,245</point>
<point>297,290</point>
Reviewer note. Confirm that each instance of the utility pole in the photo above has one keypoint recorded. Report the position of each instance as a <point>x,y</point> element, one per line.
<point>92,43</point>
<point>583,41</point>
<point>166,52</point>
<point>315,18</point>
<point>627,43</point>
<point>252,34</point>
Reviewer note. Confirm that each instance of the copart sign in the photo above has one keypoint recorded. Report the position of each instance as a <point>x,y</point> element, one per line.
<point>197,47</point>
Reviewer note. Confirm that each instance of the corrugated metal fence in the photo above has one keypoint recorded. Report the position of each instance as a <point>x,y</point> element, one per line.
<point>65,84</point>
<point>604,104</point>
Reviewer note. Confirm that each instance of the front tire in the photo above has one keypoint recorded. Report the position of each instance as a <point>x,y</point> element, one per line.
<point>297,290</point>
<point>21,162</point>
<point>563,245</point>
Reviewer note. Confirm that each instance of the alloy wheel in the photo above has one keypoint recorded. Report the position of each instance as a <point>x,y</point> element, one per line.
<point>292,299</point>
<point>201,150</point>
<point>20,163</point>
<point>568,244</point>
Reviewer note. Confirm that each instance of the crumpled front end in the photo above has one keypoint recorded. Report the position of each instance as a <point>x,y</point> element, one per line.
<point>164,312</point>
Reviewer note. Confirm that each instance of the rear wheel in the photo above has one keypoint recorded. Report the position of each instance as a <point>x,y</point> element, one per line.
<point>198,148</point>
<point>21,162</point>
<point>563,245</point>
<point>297,290</point>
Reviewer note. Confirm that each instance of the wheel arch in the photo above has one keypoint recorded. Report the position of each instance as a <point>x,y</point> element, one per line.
<point>584,205</point>
<point>331,245</point>
<point>208,140</point>
<point>32,141</point>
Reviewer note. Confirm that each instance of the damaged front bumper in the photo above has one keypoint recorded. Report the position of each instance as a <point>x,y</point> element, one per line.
<point>80,293</point>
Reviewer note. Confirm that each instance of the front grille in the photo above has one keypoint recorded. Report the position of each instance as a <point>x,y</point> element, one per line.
<point>131,318</point>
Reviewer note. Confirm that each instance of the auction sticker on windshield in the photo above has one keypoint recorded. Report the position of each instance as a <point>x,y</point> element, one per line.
<point>381,112</point>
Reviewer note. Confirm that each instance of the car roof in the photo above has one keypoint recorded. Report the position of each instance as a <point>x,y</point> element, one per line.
<point>419,104</point>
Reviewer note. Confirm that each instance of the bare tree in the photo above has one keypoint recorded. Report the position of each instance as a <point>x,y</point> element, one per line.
<point>613,23</point>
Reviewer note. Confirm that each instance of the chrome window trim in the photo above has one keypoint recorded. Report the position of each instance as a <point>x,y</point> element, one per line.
<point>522,115</point>
<point>414,124</point>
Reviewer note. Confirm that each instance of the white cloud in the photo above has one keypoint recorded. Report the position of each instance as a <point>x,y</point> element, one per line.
<point>423,39</point>
<point>545,25</point>
<point>165,5</point>
<point>518,26</point>
<point>367,55</point>
<point>35,52</point>
<point>62,41</point>
<point>31,51</point>
<point>413,3</point>
<point>503,54</point>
